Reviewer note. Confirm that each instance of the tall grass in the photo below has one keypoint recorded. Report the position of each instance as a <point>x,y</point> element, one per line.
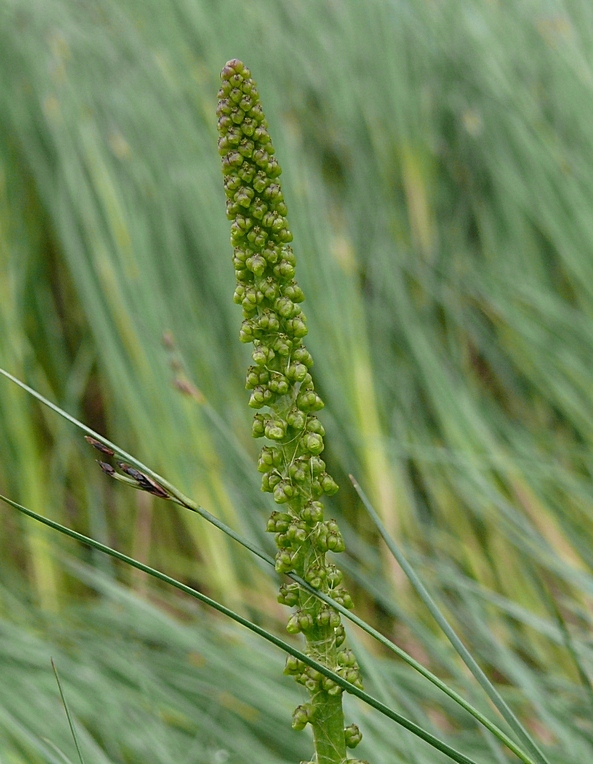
<point>454,220</point>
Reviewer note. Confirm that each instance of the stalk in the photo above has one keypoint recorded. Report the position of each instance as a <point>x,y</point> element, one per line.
<point>283,393</point>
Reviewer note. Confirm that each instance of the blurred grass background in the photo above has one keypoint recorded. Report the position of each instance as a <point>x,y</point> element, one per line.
<point>438,165</point>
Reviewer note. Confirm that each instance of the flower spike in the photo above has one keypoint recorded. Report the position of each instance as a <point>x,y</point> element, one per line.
<point>283,393</point>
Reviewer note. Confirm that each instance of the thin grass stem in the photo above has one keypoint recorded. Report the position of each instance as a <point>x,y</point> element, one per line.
<point>67,710</point>
<point>460,648</point>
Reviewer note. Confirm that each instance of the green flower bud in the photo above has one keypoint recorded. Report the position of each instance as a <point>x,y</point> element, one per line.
<point>240,255</point>
<point>265,461</point>
<point>260,397</point>
<point>286,308</point>
<point>328,484</point>
<point>328,617</point>
<point>262,355</point>
<point>301,717</point>
<point>293,626</point>
<point>245,172</point>
<point>313,674</point>
<point>277,456</point>
<point>275,429</point>
<point>284,271</point>
<point>353,676</point>
<point>315,575</point>
<point>312,512</point>
<point>270,457</point>
<point>316,489</point>
<point>282,541</point>
<point>335,542</point>
<point>282,345</point>
<point>298,470</point>
<point>231,162</point>
<point>334,619</point>
<point>269,481</point>
<point>346,657</point>
<point>287,253</point>
<point>302,355</point>
<point>269,287</point>
<point>296,419</point>
<point>342,596</point>
<point>278,522</point>
<point>284,561</point>
<point>283,491</point>
<point>247,333</point>
<point>249,310</point>
<point>246,150</point>
<point>305,621</point>
<point>278,383</point>
<point>255,376</point>
<point>241,225</point>
<point>258,210</point>
<point>308,400</point>
<point>251,299</point>
<point>259,424</point>
<point>249,307</point>
<point>296,327</point>
<point>322,536</point>
<point>231,183</point>
<point>289,594</point>
<point>313,443</point>
<point>316,465</point>
<point>328,684</point>
<point>297,532</point>
<point>256,264</point>
<point>244,195</point>
<point>334,576</point>
<point>296,372</point>
<point>353,736</point>
<point>323,616</point>
<point>314,425</point>
<point>294,292</point>
<point>268,321</point>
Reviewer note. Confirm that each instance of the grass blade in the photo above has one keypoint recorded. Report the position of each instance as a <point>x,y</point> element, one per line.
<point>350,688</point>
<point>462,651</point>
<point>70,722</point>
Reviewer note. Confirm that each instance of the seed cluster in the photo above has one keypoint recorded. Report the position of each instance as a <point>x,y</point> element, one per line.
<point>280,381</point>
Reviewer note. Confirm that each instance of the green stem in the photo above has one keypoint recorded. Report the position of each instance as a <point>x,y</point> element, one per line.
<point>327,716</point>
<point>328,727</point>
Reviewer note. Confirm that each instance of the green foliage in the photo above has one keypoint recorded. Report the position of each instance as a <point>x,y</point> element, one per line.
<point>437,163</point>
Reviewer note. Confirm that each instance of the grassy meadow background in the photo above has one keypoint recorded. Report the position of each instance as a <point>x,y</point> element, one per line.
<point>438,168</point>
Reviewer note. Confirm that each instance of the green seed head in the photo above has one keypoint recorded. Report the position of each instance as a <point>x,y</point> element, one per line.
<point>280,382</point>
